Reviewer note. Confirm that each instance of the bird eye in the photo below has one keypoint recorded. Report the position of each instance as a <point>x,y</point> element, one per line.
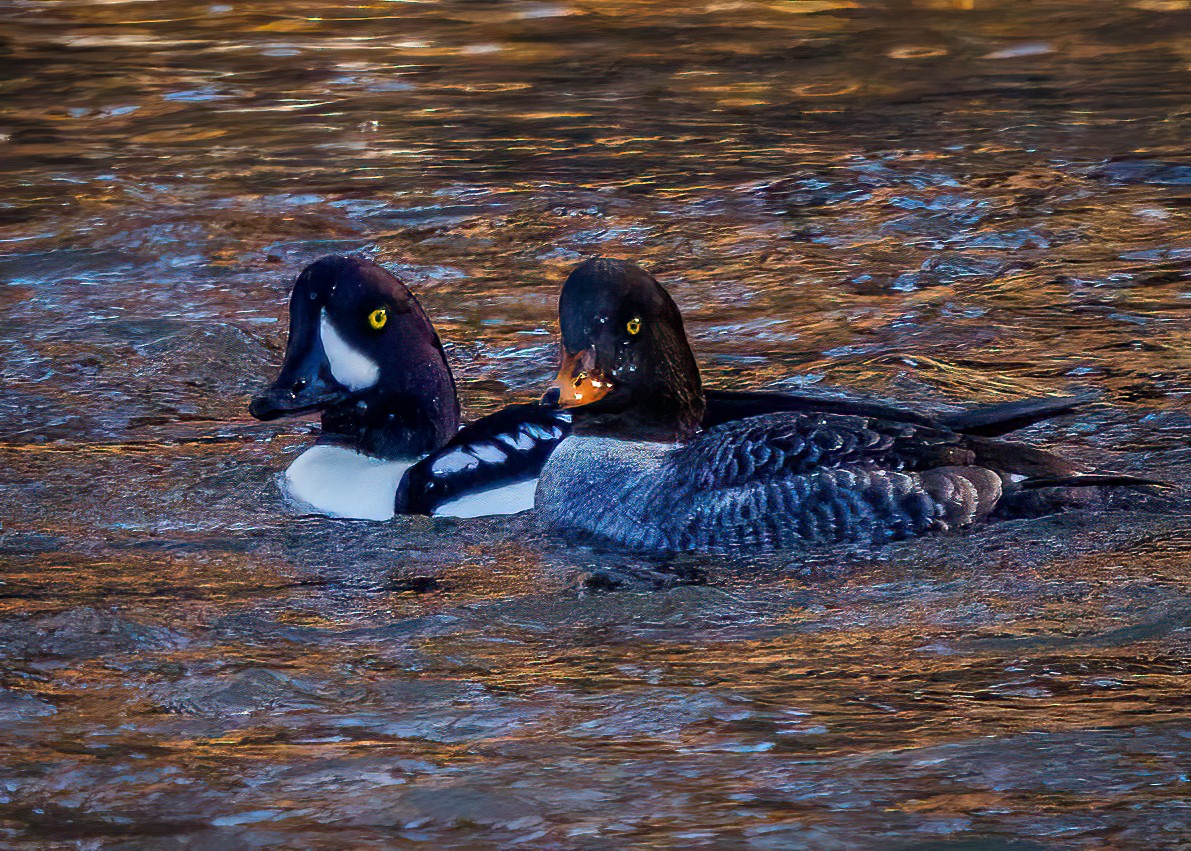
<point>634,326</point>
<point>378,318</point>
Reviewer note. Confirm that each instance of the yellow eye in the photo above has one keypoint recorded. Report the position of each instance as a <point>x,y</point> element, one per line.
<point>634,326</point>
<point>378,318</point>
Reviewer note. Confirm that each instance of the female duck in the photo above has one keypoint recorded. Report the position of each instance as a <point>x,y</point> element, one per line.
<point>638,472</point>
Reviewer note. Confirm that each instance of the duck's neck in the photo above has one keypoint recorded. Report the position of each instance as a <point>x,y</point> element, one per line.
<point>633,425</point>
<point>392,427</point>
<point>664,406</point>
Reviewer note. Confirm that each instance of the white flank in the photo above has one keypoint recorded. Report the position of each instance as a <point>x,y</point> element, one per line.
<point>351,367</point>
<point>509,499</point>
<point>340,482</point>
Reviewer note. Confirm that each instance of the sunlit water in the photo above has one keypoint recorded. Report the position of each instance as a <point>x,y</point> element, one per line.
<point>928,201</point>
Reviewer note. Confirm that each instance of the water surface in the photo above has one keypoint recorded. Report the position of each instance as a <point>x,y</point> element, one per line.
<point>935,202</point>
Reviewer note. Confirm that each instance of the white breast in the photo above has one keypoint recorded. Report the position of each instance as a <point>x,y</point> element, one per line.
<point>340,482</point>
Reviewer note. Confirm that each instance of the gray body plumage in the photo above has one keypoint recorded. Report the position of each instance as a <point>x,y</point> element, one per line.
<point>770,482</point>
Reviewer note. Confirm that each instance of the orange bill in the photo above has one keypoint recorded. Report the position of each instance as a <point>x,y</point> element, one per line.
<point>578,382</point>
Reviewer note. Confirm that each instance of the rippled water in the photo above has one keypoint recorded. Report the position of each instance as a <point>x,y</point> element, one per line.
<point>932,201</point>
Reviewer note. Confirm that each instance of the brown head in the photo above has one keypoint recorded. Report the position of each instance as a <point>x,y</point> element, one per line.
<point>626,368</point>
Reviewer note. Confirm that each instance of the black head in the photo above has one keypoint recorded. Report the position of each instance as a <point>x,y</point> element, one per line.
<point>363,353</point>
<point>626,366</point>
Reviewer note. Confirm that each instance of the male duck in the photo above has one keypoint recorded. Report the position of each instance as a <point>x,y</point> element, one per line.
<point>638,470</point>
<point>363,353</point>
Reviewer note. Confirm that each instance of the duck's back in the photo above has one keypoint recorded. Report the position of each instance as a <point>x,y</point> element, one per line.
<point>776,481</point>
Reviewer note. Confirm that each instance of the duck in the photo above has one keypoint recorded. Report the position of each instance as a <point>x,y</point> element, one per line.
<point>363,355</point>
<point>641,468</point>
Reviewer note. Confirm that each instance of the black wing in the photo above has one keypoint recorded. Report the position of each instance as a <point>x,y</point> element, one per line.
<point>789,444</point>
<point>508,446</point>
<point>987,420</point>
<point>795,478</point>
<point>725,406</point>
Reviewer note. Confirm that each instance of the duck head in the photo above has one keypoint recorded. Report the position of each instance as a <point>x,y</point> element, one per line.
<point>362,352</point>
<point>626,367</point>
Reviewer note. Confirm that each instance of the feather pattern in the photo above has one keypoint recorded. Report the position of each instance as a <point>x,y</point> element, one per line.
<point>774,482</point>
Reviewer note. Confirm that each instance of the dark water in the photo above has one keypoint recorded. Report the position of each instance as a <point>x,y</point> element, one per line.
<point>929,201</point>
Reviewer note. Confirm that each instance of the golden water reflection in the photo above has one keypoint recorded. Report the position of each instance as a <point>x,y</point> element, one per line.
<point>931,201</point>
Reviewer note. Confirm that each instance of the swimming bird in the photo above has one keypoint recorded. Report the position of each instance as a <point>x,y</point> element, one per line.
<point>640,470</point>
<point>364,355</point>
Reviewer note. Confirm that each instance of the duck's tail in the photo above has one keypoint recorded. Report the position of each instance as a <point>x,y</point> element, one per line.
<point>1021,460</point>
<point>1040,482</point>
<point>1031,468</point>
<point>1101,480</point>
<point>1005,417</point>
<point>1037,496</point>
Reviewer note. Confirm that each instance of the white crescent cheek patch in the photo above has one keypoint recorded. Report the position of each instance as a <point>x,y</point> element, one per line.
<point>350,367</point>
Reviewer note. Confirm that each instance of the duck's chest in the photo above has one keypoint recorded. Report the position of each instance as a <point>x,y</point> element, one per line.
<point>341,482</point>
<point>587,478</point>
